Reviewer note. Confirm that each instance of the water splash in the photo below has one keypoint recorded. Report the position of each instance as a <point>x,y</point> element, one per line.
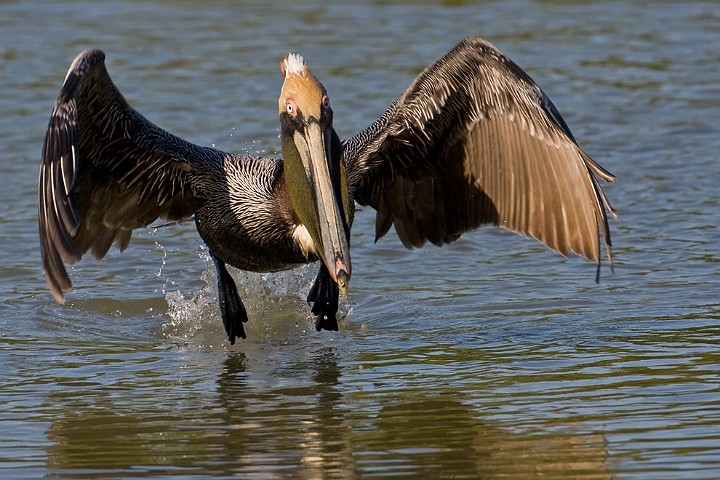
<point>275,303</point>
<point>163,262</point>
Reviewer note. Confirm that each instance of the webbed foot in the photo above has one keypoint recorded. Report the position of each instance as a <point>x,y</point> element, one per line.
<point>232,309</point>
<point>324,295</point>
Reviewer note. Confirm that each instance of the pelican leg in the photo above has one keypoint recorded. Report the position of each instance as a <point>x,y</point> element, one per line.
<point>232,309</point>
<point>324,295</point>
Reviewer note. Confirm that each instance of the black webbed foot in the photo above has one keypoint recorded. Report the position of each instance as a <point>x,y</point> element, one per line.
<point>232,309</point>
<point>324,296</point>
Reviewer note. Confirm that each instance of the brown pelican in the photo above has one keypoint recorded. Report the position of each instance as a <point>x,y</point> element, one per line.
<point>472,141</point>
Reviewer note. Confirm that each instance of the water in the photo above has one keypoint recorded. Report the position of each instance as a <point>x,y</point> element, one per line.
<point>490,358</point>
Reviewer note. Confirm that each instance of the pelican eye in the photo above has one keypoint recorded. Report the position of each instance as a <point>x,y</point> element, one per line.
<point>291,107</point>
<point>325,101</point>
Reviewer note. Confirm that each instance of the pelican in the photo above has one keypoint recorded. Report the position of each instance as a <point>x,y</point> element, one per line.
<point>472,141</point>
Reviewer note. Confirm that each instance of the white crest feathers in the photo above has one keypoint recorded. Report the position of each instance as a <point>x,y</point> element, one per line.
<point>294,64</point>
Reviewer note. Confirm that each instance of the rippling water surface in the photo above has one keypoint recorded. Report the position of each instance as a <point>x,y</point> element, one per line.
<point>489,358</point>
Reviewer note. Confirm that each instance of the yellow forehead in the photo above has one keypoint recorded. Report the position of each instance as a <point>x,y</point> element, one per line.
<point>301,86</point>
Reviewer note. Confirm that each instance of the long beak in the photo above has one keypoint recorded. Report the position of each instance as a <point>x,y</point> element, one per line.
<point>328,224</point>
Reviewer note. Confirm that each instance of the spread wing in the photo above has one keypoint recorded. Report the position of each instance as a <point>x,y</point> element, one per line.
<point>105,170</point>
<point>473,141</point>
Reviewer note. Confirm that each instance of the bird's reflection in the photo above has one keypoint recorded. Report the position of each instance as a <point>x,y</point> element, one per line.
<point>307,414</point>
<point>234,367</point>
<point>294,410</point>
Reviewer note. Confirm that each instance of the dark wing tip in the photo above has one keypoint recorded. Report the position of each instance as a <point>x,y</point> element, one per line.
<point>86,61</point>
<point>81,66</point>
<point>58,219</point>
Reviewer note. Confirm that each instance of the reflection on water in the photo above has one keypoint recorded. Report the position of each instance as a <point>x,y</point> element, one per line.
<point>491,358</point>
<point>451,408</point>
<point>242,426</point>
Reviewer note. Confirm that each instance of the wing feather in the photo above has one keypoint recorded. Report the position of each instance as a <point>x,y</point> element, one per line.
<point>105,171</point>
<point>472,141</point>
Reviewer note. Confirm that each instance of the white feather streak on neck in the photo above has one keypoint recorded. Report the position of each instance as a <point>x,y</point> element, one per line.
<point>304,240</point>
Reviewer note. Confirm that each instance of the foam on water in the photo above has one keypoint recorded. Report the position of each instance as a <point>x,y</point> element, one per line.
<point>275,304</point>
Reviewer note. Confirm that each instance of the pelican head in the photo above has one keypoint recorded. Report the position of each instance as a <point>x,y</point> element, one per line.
<point>314,171</point>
